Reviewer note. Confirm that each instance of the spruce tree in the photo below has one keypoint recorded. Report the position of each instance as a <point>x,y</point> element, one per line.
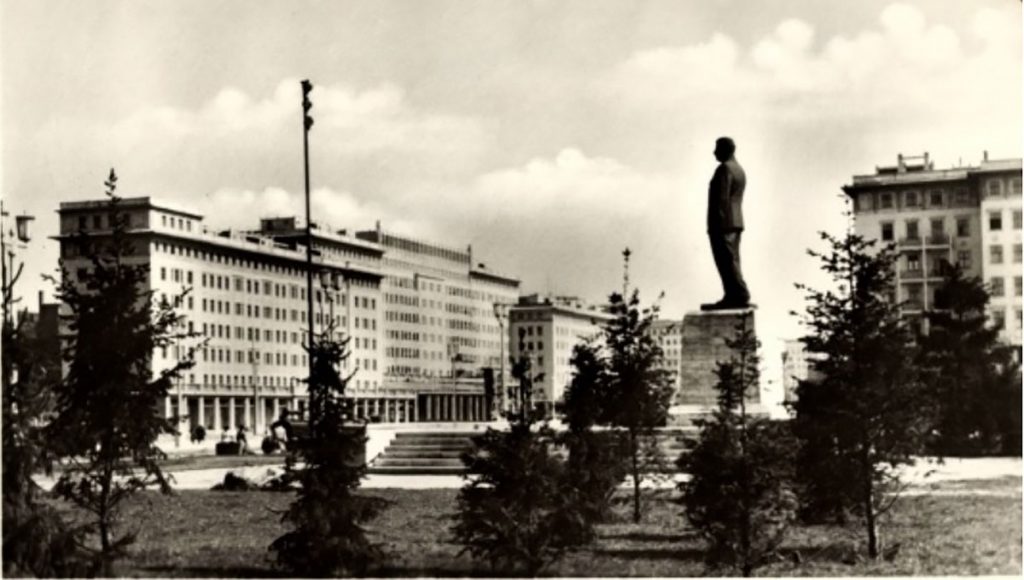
<point>109,407</point>
<point>865,416</point>
<point>519,510</point>
<point>328,538</point>
<point>36,541</point>
<point>639,391</point>
<point>596,461</point>
<point>739,496</point>
<point>973,378</point>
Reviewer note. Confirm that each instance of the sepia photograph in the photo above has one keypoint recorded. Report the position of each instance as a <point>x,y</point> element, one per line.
<point>511,288</point>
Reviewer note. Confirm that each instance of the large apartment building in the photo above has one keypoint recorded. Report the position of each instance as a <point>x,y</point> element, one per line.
<point>546,330</point>
<point>247,298</point>
<point>969,215</point>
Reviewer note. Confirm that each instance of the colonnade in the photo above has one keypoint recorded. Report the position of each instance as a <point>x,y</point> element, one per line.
<point>452,407</point>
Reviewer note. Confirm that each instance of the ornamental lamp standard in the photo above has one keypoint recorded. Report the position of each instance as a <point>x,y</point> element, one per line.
<point>21,225</point>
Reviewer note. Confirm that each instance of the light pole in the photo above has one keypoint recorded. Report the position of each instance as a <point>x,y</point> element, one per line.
<point>9,241</point>
<point>500,312</point>
<point>307,124</point>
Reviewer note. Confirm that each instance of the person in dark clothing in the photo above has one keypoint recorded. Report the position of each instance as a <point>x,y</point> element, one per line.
<point>725,225</point>
<point>243,443</point>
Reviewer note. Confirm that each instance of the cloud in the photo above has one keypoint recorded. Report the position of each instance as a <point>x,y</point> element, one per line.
<point>905,65</point>
<point>361,138</point>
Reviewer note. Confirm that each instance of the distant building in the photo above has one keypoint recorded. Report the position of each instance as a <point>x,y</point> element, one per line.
<point>669,334</point>
<point>797,365</point>
<point>966,215</point>
<point>402,304</point>
<point>551,327</point>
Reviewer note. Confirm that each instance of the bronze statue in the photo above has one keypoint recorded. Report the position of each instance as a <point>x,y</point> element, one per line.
<point>725,225</point>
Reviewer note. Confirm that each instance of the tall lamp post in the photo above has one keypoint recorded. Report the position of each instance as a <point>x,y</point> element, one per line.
<point>10,240</point>
<point>307,124</point>
<point>501,312</point>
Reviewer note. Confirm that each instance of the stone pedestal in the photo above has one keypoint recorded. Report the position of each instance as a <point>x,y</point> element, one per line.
<point>703,347</point>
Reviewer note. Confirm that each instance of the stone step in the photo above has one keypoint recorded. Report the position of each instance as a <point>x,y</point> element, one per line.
<point>419,461</point>
<point>438,434</point>
<point>452,444</point>
<point>414,470</point>
<point>441,453</point>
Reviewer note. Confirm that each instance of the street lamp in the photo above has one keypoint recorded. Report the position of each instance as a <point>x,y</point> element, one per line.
<point>500,312</point>
<point>10,240</point>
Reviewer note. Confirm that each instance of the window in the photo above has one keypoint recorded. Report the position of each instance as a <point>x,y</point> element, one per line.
<point>999,318</point>
<point>885,200</point>
<point>1016,219</point>
<point>1018,286</point>
<point>163,273</point>
<point>1015,185</point>
<point>964,259</point>
<point>996,285</point>
<point>935,198</point>
<point>912,233</point>
<point>911,199</point>
<point>995,188</point>
<point>963,197</point>
<point>995,255</point>
<point>863,202</point>
<point>995,221</point>
<point>887,233</point>
<point>938,226</point>
<point>963,227</point>
<point>163,220</point>
<point>913,262</point>
<point>1016,254</point>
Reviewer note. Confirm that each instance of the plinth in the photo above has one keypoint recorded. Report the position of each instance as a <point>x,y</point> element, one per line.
<point>703,347</point>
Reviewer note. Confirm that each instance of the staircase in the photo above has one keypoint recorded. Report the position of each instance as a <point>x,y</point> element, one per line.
<point>439,452</point>
<point>424,453</point>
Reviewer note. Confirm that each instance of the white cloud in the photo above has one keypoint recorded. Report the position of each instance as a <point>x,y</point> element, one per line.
<point>904,66</point>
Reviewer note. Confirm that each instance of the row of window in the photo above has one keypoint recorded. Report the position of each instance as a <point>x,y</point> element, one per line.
<point>995,253</point>
<point>177,223</point>
<point>932,199</point>
<point>997,289</point>
<point>937,226</point>
<point>261,265</point>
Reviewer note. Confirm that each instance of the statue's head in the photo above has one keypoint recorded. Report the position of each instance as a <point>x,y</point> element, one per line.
<point>724,148</point>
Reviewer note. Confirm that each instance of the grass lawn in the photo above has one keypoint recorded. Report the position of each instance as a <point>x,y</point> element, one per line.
<point>204,533</point>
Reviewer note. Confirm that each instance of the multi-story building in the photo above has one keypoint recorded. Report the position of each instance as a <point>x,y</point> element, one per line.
<point>546,330</point>
<point>960,215</point>
<point>247,298</point>
<point>999,186</point>
<point>669,334</point>
<point>796,366</point>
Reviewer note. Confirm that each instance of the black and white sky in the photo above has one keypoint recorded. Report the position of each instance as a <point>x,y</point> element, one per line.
<point>548,134</point>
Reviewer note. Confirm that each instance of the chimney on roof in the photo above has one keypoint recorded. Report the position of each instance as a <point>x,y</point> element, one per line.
<point>927,165</point>
<point>984,155</point>
<point>901,166</point>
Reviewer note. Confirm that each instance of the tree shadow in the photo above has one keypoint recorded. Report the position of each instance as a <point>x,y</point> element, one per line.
<point>214,571</point>
<point>679,554</point>
<point>651,537</point>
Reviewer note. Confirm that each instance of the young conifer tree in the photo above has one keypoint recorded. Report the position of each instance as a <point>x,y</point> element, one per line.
<point>865,415</point>
<point>973,378</point>
<point>639,388</point>
<point>739,496</point>
<point>36,540</point>
<point>518,510</point>
<point>109,407</point>
<point>328,538</point>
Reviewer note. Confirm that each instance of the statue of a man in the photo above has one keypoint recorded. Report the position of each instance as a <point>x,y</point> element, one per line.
<point>725,225</point>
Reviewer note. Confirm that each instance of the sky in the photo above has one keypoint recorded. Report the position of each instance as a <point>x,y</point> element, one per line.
<point>548,134</point>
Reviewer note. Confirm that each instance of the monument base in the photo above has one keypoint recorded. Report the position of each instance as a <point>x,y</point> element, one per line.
<point>703,347</point>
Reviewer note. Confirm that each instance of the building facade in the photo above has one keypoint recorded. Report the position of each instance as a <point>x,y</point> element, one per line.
<point>247,299</point>
<point>546,330</point>
<point>669,334</point>
<point>964,215</point>
<point>797,365</point>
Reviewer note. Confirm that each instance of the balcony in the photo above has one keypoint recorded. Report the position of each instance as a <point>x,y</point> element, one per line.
<point>938,240</point>
<point>911,274</point>
<point>913,305</point>
<point>915,242</point>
